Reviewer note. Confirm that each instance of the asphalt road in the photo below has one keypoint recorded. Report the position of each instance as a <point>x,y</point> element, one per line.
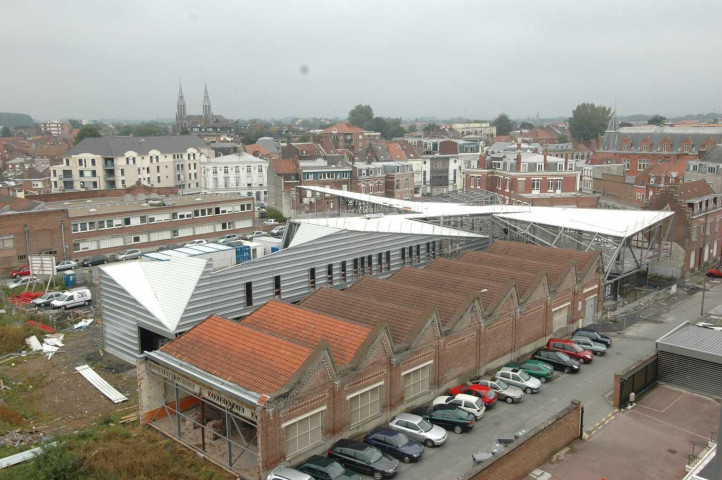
<point>592,386</point>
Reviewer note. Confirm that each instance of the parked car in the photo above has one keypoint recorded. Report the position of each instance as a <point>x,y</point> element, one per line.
<point>72,298</point>
<point>535,368</point>
<point>229,237</point>
<point>270,221</point>
<point>66,265</point>
<point>714,272</point>
<point>570,348</point>
<point>450,418</point>
<point>558,360</point>
<point>519,378</point>
<point>395,444</point>
<point>588,344</point>
<point>21,272</point>
<point>287,473</point>
<point>44,300</point>
<point>324,468</point>
<point>467,403</point>
<point>172,246</point>
<point>130,254</point>
<point>198,241</point>
<point>593,335</point>
<point>506,392</point>
<point>418,428</point>
<point>363,458</point>
<point>486,394</point>
<point>94,260</point>
<point>278,231</point>
<point>252,235</point>
<point>23,282</point>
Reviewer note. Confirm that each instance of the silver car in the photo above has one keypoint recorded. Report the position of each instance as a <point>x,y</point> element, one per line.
<point>413,426</point>
<point>287,473</point>
<point>66,265</point>
<point>506,392</point>
<point>519,378</point>
<point>130,254</point>
<point>595,347</point>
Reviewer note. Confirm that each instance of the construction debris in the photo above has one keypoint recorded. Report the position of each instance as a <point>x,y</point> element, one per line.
<point>33,343</point>
<point>51,344</point>
<point>83,324</point>
<point>22,456</point>
<point>114,395</point>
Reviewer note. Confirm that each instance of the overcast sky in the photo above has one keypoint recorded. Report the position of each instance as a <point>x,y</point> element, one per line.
<point>101,59</point>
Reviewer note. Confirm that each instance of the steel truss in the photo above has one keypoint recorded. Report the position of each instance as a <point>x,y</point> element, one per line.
<point>621,256</point>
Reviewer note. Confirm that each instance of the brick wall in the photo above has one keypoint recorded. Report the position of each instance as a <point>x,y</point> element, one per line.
<point>532,450</point>
<point>44,234</point>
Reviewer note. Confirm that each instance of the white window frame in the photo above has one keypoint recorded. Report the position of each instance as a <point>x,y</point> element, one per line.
<point>365,400</point>
<point>417,368</point>
<point>306,418</point>
<point>557,322</point>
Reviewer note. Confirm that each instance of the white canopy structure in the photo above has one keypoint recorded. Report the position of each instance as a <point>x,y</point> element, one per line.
<point>630,240</point>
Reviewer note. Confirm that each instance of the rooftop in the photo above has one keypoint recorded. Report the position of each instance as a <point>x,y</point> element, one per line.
<point>693,341</point>
<point>119,146</point>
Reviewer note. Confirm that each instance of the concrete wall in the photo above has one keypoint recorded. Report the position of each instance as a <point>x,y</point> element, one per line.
<point>532,450</point>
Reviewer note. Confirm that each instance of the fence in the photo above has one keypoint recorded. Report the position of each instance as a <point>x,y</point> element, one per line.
<point>640,310</point>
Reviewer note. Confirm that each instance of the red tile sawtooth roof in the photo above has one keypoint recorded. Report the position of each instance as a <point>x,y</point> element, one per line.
<point>343,127</point>
<point>309,328</point>
<point>546,255</point>
<point>253,359</point>
<point>283,166</point>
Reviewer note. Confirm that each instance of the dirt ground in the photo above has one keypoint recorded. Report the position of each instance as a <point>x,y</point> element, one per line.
<point>55,398</point>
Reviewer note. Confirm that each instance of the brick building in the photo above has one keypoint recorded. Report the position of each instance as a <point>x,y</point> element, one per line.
<point>639,147</point>
<point>78,228</point>
<point>343,135</point>
<point>696,227</point>
<point>527,177</point>
<point>656,177</point>
<point>288,381</point>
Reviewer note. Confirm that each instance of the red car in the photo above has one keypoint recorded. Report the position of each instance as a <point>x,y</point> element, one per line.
<point>21,272</point>
<point>714,272</point>
<point>570,348</point>
<point>486,394</point>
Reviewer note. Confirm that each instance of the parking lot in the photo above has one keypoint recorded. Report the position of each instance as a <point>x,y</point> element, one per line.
<point>592,386</point>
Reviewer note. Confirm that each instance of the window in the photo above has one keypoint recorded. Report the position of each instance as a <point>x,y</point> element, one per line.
<point>370,264</point>
<point>416,381</point>
<point>403,256</point>
<point>277,286</point>
<point>508,184</point>
<point>524,167</point>
<point>686,148</point>
<point>304,433</point>
<point>559,184</point>
<point>397,184</point>
<point>642,163</point>
<point>380,262</point>
<point>388,260</point>
<point>363,266</point>
<point>355,268</point>
<point>625,162</point>
<point>550,183</point>
<point>343,271</point>
<point>365,405</point>
<point>560,316</point>
<point>7,241</point>
<point>312,278</point>
<point>695,233</point>
<point>249,294</point>
<point>535,185</point>
<point>329,274</point>
<point>418,253</point>
<point>539,167</point>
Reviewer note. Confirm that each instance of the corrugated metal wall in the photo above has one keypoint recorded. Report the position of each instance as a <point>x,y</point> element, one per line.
<point>690,373</point>
<point>224,291</point>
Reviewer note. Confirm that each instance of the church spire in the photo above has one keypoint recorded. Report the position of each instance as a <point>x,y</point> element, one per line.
<point>613,125</point>
<point>180,112</point>
<point>207,111</point>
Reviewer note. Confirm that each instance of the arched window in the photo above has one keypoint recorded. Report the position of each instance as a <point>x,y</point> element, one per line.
<point>363,188</point>
<point>398,184</point>
<point>371,188</point>
<point>406,183</point>
<point>378,186</point>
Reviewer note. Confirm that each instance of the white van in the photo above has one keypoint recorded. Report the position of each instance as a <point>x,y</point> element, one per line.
<point>72,298</point>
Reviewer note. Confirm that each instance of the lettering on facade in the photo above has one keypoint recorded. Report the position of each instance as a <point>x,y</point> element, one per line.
<point>164,372</point>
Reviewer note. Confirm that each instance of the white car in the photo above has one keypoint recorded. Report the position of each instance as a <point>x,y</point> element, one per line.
<point>468,403</point>
<point>66,265</point>
<point>519,378</point>
<point>270,221</point>
<point>72,298</point>
<point>252,235</point>
<point>278,231</point>
<point>23,281</point>
<point>200,241</point>
<point>130,254</point>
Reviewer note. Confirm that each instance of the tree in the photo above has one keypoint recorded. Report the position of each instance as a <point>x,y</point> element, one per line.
<point>657,119</point>
<point>562,139</point>
<point>588,121</point>
<point>430,127</point>
<point>503,124</point>
<point>75,123</point>
<point>412,128</point>
<point>361,116</point>
<point>147,129</point>
<point>5,132</point>
<point>87,131</point>
<point>526,126</point>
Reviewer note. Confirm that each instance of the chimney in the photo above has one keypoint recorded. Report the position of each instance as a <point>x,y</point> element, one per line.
<point>566,162</point>
<point>545,160</point>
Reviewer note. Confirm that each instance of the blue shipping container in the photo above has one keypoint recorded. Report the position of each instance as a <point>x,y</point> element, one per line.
<point>275,249</point>
<point>243,253</point>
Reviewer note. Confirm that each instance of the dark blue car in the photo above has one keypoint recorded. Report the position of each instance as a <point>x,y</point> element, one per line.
<point>395,444</point>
